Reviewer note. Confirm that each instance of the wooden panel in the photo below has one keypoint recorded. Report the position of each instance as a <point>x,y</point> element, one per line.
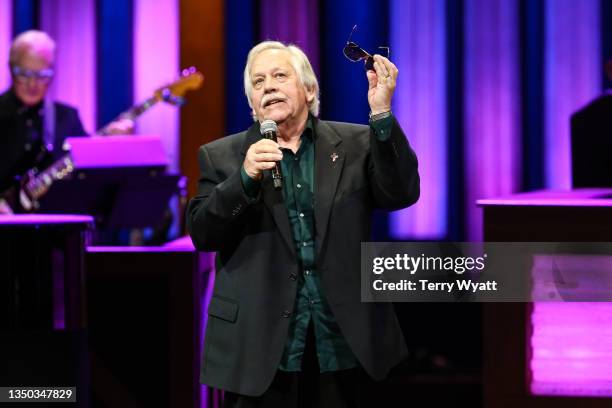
<point>202,45</point>
<point>144,332</point>
<point>506,326</point>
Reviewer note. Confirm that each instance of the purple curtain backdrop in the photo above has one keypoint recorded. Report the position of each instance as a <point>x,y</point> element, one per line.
<point>572,77</point>
<point>417,38</point>
<point>292,21</point>
<point>492,104</point>
<point>6,34</point>
<point>72,25</point>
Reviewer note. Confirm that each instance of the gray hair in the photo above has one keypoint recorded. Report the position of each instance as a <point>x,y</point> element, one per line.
<point>31,41</point>
<point>299,62</point>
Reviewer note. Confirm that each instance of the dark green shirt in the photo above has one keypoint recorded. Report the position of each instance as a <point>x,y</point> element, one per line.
<point>297,168</point>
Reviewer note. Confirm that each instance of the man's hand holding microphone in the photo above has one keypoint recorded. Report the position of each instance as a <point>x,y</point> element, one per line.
<point>265,155</point>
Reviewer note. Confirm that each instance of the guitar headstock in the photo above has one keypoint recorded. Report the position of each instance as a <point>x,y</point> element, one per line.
<point>190,79</point>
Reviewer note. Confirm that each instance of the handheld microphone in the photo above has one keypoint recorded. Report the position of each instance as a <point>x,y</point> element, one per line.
<point>268,129</point>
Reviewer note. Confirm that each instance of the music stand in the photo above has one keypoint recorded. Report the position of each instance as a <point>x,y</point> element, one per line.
<point>120,180</point>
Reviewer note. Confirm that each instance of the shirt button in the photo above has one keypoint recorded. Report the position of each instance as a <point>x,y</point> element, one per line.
<point>286,314</point>
<point>299,186</point>
<point>304,243</point>
<point>296,158</point>
<point>293,276</point>
<point>307,272</point>
<point>302,215</point>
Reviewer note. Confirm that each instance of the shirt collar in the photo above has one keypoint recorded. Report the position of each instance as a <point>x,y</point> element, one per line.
<point>309,130</point>
<point>21,108</point>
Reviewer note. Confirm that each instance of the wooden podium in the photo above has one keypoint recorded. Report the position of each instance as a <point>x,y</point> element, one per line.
<point>42,275</point>
<point>542,216</point>
<point>43,320</point>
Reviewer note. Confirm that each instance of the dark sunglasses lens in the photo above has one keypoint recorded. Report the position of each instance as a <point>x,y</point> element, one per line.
<point>353,52</point>
<point>369,64</point>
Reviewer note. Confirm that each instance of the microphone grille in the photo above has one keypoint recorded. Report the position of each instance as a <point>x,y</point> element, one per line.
<point>268,125</point>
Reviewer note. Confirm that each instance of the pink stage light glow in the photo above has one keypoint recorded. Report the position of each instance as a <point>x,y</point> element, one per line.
<point>571,347</point>
<point>156,63</point>
<point>572,77</point>
<point>492,105</point>
<point>73,26</point>
<point>6,34</point>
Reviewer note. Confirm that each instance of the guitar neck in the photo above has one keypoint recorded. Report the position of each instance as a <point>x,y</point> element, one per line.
<point>132,113</point>
<point>37,185</point>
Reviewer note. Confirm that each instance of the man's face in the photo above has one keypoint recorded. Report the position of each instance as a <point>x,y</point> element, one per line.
<point>32,90</point>
<point>277,92</point>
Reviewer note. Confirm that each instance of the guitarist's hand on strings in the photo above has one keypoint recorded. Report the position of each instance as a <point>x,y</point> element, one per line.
<point>121,126</point>
<point>5,208</point>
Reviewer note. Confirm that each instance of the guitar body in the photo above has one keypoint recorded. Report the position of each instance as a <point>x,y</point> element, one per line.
<point>9,203</point>
<point>16,197</point>
<point>11,193</point>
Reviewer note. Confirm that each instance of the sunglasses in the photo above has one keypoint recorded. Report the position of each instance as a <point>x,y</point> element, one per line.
<point>355,53</point>
<point>24,75</point>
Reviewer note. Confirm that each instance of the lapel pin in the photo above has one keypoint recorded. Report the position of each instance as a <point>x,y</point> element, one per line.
<point>334,157</point>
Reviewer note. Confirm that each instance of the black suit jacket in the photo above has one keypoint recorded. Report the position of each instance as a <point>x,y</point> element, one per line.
<point>13,159</point>
<point>254,294</point>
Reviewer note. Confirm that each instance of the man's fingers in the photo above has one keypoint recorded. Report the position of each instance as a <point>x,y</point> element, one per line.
<point>265,142</point>
<point>262,155</point>
<point>267,165</point>
<point>386,66</point>
<point>264,165</point>
<point>372,79</point>
<point>265,146</point>
<point>381,69</point>
<point>267,150</point>
<point>5,208</point>
<point>267,157</point>
<point>263,152</point>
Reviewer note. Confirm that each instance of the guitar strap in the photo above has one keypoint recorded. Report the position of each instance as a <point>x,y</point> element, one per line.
<point>49,124</point>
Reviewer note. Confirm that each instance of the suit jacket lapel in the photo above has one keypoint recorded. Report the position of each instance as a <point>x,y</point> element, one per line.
<point>252,136</point>
<point>329,162</point>
<point>272,198</point>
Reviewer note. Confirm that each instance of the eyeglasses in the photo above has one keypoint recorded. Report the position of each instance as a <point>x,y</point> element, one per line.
<point>24,75</point>
<point>355,53</point>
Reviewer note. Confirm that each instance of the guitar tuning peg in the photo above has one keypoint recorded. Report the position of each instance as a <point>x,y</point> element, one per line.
<point>177,100</point>
<point>172,99</point>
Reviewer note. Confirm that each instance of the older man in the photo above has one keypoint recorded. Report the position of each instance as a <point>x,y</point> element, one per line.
<point>34,127</point>
<point>286,326</point>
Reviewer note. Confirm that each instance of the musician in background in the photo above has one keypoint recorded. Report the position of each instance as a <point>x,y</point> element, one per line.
<point>32,127</point>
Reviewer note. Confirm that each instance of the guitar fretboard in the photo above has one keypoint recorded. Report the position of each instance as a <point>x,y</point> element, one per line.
<point>132,113</point>
<point>36,186</point>
<point>139,109</point>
